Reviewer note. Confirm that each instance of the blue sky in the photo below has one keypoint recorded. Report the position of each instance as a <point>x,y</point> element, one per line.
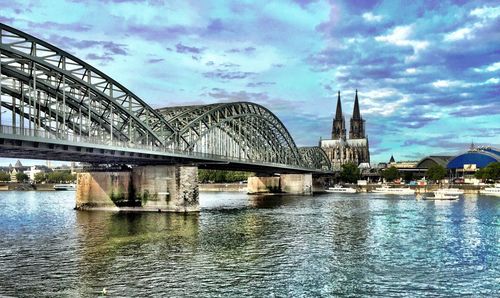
<point>428,73</point>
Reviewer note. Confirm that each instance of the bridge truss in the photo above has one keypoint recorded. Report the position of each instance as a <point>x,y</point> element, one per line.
<point>51,94</point>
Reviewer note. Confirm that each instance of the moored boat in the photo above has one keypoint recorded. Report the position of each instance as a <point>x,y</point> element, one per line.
<point>341,189</point>
<point>491,191</point>
<point>442,194</point>
<point>394,191</point>
<point>64,186</point>
<point>452,191</point>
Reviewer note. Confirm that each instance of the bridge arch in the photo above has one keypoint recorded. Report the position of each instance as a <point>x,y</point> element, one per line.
<point>235,130</point>
<point>315,158</point>
<point>53,90</point>
<point>53,94</point>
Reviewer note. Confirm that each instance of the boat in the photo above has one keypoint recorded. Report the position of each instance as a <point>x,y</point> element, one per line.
<point>394,191</point>
<point>442,194</point>
<point>64,187</point>
<point>491,191</point>
<point>341,189</point>
<point>451,191</point>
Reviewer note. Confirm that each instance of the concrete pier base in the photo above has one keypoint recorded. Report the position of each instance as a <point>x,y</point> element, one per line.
<point>300,184</point>
<point>103,190</point>
<point>297,184</point>
<point>258,185</point>
<point>147,188</point>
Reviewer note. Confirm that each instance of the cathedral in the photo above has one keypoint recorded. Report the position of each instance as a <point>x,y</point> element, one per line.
<point>341,150</point>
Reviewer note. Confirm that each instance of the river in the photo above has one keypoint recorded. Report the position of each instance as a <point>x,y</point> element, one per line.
<point>239,245</point>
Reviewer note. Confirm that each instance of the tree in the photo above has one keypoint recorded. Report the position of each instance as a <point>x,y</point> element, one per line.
<point>490,172</point>
<point>21,177</point>
<point>350,173</point>
<point>408,176</point>
<point>436,172</point>
<point>40,177</point>
<point>4,176</point>
<point>221,176</point>
<point>390,174</point>
<point>60,177</point>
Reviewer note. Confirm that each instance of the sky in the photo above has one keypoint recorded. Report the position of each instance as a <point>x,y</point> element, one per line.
<point>427,72</point>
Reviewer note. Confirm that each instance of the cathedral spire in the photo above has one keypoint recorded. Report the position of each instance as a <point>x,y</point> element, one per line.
<point>338,125</point>
<point>356,115</point>
<point>338,113</point>
<point>357,130</point>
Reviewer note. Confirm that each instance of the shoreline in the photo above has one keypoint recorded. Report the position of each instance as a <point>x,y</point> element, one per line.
<point>237,187</point>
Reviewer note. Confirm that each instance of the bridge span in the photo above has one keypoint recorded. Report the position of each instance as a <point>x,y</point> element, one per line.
<point>55,106</point>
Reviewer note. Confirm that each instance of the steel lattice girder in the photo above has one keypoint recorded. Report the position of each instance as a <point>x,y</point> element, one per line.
<point>59,74</point>
<point>257,131</point>
<point>63,95</point>
<point>315,158</point>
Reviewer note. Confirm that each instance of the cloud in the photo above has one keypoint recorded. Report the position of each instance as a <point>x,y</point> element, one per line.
<point>486,12</point>
<point>490,68</point>
<point>227,75</point>
<point>260,84</point>
<point>246,50</point>
<point>180,48</point>
<point>49,25</point>
<point>155,60</point>
<point>224,95</point>
<point>103,59</point>
<point>73,43</point>
<point>400,36</point>
<point>370,17</point>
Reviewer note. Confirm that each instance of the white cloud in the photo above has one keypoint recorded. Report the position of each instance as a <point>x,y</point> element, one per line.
<point>492,81</point>
<point>383,102</point>
<point>467,32</point>
<point>453,84</point>
<point>370,17</point>
<point>411,70</point>
<point>400,36</point>
<point>462,33</point>
<point>486,12</point>
<point>490,68</point>
<point>441,84</point>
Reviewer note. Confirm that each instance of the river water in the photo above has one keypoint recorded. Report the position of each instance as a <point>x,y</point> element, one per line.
<point>239,245</point>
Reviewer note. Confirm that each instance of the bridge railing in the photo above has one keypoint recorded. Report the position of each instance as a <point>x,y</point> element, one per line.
<point>41,135</point>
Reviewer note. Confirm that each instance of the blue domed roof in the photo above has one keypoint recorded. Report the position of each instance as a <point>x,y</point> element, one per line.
<point>480,158</point>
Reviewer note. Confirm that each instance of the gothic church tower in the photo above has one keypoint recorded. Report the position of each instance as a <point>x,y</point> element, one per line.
<point>341,150</point>
<point>338,126</point>
<point>357,130</point>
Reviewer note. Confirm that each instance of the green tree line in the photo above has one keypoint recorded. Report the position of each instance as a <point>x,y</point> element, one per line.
<point>55,177</point>
<point>490,172</point>
<point>221,176</point>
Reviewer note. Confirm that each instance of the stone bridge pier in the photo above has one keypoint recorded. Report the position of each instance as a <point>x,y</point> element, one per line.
<point>149,188</point>
<point>299,184</point>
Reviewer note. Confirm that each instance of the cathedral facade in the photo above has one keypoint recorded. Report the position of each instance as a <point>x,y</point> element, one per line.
<point>340,149</point>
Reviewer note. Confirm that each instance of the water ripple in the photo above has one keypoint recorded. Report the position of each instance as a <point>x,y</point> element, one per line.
<point>291,246</point>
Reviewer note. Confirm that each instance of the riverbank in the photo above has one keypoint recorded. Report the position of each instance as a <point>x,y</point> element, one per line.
<point>237,187</point>
<point>26,187</point>
<point>467,188</point>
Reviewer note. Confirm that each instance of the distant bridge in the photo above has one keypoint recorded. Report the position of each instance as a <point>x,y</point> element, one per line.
<point>55,106</point>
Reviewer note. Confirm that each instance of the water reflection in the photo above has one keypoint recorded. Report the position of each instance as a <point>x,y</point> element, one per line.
<point>112,240</point>
<point>239,245</point>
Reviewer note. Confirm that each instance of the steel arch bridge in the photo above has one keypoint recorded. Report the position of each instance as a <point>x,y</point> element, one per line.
<point>61,102</point>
